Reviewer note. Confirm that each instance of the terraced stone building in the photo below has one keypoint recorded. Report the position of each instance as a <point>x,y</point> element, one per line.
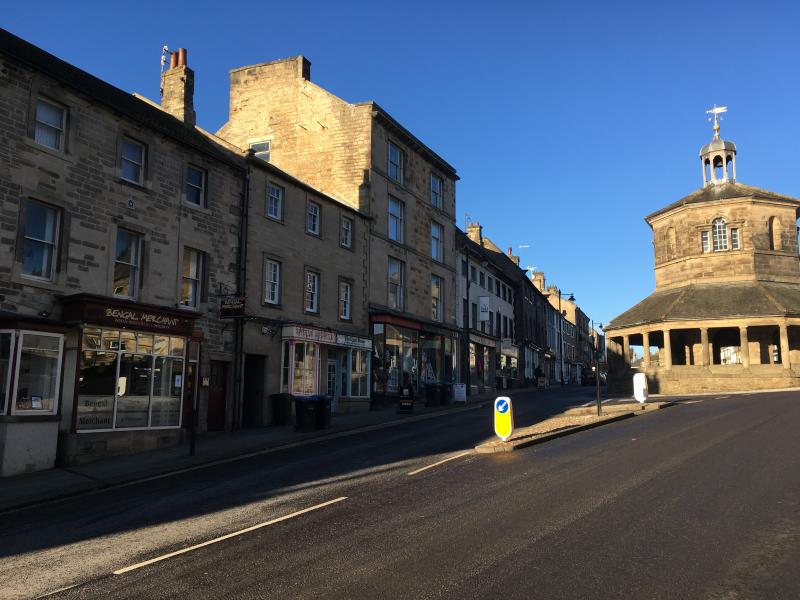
<point>725,314</point>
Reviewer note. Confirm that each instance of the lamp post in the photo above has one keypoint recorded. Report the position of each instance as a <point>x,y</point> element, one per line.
<point>597,369</point>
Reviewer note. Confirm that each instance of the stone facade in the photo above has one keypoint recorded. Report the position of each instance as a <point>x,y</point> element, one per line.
<point>68,202</point>
<point>725,315</point>
<point>358,154</point>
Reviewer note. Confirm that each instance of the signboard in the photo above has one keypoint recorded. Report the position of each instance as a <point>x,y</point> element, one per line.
<point>640,387</point>
<point>460,392</point>
<point>353,341</point>
<point>231,306</point>
<point>308,334</point>
<point>102,311</point>
<point>483,308</point>
<point>503,418</point>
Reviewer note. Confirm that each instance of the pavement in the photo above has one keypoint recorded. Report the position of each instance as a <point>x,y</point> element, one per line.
<point>212,448</point>
<point>701,501</point>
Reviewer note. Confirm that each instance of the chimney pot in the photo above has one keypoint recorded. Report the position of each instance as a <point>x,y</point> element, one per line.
<point>173,60</point>
<point>181,57</point>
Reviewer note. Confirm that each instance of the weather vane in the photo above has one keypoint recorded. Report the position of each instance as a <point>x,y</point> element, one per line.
<point>716,111</point>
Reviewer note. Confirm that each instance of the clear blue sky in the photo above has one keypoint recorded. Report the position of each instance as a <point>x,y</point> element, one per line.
<point>567,122</point>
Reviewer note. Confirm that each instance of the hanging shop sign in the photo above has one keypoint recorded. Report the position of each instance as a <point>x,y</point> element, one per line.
<point>483,308</point>
<point>231,306</point>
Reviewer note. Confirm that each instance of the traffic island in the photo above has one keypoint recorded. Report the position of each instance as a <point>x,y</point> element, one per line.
<point>570,421</point>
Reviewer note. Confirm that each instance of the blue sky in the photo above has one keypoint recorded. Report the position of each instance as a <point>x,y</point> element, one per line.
<point>567,122</point>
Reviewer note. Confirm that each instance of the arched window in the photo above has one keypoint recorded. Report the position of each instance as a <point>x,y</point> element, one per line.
<point>719,234</point>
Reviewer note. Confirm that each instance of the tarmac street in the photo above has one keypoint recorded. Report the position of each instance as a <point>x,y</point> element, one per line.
<point>698,501</point>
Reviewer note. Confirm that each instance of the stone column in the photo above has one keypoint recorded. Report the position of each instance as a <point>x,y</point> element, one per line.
<point>704,357</point>
<point>784,345</point>
<point>626,350</point>
<point>744,346</point>
<point>646,349</point>
<point>667,350</point>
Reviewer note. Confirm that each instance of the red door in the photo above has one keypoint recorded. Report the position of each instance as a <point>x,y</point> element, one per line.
<point>217,393</point>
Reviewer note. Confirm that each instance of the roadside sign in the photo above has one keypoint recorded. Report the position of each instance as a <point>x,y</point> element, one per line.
<point>640,387</point>
<point>503,417</point>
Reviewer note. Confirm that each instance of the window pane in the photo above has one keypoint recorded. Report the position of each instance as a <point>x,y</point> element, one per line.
<point>40,221</point>
<point>161,345</point>
<point>127,245</point>
<point>110,340</point>
<point>38,366</point>
<point>37,258</point>
<point>144,343</point>
<point>133,390</point>
<point>98,374</point>
<point>122,280</point>
<point>194,177</point>
<point>176,347</point>
<point>132,151</point>
<point>49,114</point>
<point>167,387</point>
<point>127,341</point>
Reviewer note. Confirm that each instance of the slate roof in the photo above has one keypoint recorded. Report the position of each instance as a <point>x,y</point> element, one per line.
<point>113,97</point>
<point>708,301</point>
<point>724,191</point>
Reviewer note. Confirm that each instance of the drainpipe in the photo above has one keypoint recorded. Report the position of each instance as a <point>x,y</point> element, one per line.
<point>241,287</point>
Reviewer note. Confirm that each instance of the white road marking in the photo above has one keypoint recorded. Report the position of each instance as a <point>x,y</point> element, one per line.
<point>59,590</point>
<point>722,397</point>
<point>436,464</point>
<point>690,401</point>
<point>228,536</point>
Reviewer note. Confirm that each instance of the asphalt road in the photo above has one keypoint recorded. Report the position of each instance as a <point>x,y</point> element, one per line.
<point>701,500</point>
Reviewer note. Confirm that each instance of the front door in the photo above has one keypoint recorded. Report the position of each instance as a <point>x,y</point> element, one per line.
<point>332,380</point>
<point>217,394</point>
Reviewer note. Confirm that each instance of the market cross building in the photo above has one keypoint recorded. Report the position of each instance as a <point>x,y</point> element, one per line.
<point>725,315</point>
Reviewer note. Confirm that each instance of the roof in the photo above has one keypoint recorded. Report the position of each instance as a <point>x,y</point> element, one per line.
<point>708,301</point>
<point>113,97</point>
<point>716,145</point>
<point>412,140</point>
<point>724,191</point>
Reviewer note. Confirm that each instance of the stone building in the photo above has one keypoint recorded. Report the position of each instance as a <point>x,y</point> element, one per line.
<point>358,154</point>
<point>725,314</point>
<point>306,320</point>
<point>119,230</point>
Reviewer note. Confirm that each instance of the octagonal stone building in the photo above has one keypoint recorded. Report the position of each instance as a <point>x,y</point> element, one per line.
<point>725,315</point>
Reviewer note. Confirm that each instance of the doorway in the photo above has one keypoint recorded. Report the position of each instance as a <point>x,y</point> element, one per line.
<point>253,401</point>
<point>217,396</point>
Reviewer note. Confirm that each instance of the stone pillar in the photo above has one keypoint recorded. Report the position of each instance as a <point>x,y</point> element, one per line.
<point>704,355</point>
<point>785,345</point>
<point>667,350</point>
<point>646,349</point>
<point>744,346</point>
<point>626,350</point>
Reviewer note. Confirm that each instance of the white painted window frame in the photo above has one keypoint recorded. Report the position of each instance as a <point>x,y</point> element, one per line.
<point>17,357</point>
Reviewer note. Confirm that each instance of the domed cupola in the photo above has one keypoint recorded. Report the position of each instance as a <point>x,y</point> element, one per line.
<point>718,157</point>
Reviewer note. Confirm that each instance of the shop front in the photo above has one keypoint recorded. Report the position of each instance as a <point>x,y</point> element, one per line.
<point>31,362</point>
<point>482,354</point>
<point>126,367</point>
<point>319,361</point>
<point>508,365</point>
<point>411,353</point>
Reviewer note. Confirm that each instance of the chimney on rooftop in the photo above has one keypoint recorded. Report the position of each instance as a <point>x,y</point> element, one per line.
<point>537,277</point>
<point>177,88</point>
<point>475,233</point>
<point>515,259</point>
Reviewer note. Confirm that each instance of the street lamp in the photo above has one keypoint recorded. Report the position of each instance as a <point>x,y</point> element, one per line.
<point>597,368</point>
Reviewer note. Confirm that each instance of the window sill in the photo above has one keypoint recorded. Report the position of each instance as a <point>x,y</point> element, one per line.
<point>274,305</point>
<point>42,284</point>
<point>314,235</point>
<point>142,187</point>
<point>280,221</point>
<point>59,154</point>
<point>196,207</point>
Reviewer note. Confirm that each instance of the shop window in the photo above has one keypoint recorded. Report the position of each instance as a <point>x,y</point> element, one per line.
<point>41,223</point>
<point>359,369</point>
<point>193,268</point>
<point>303,377</point>
<point>127,259</point>
<point>37,373</point>
<point>130,380</point>
<point>431,358</point>
<point>50,125</point>
<point>6,352</point>
<point>285,367</point>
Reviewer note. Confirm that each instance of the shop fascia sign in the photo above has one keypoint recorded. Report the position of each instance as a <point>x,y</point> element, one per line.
<point>352,341</point>
<point>309,334</point>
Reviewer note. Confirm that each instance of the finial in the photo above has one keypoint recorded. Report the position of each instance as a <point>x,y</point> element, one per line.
<point>716,111</point>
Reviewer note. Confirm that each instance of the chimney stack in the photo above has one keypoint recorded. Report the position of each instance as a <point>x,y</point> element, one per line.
<point>177,88</point>
<point>537,277</point>
<point>514,259</point>
<point>475,233</point>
